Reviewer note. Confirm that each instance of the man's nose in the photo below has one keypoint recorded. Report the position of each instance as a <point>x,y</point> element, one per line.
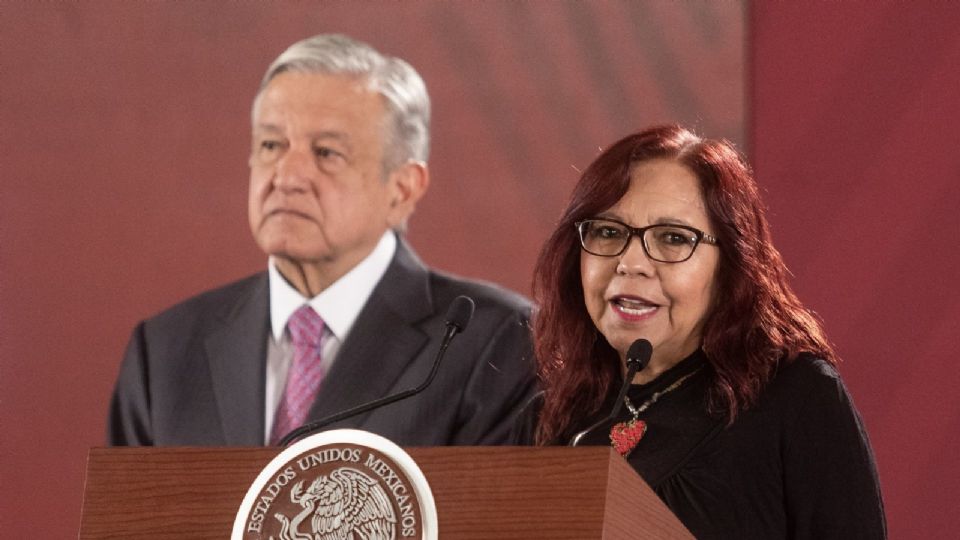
<point>294,170</point>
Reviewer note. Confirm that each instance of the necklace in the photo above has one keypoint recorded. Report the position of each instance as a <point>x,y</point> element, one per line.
<point>624,436</point>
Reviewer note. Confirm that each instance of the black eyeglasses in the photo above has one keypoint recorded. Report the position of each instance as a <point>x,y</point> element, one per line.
<point>661,242</point>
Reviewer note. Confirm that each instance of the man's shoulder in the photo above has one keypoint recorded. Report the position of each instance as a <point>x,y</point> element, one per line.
<point>487,296</point>
<point>408,272</point>
<point>214,303</point>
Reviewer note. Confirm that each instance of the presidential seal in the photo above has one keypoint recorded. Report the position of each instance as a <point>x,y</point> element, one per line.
<point>343,484</point>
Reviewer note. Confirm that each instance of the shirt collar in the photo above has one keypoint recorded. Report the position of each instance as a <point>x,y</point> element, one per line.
<point>340,303</point>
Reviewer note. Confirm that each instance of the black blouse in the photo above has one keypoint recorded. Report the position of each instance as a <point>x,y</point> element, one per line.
<point>796,465</point>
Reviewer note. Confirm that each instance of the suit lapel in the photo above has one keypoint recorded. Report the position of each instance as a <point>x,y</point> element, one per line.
<point>236,352</point>
<point>384,339</point>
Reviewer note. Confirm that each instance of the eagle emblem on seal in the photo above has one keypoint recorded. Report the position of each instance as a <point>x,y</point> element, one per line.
<point>344,505</point>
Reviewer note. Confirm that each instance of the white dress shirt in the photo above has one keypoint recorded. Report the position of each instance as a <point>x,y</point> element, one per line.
<point>338,305</point>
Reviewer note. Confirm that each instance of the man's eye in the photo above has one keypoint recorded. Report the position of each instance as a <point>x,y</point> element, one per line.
<point>269,146</point>
<point>324,152</point>
<point>268,150</point>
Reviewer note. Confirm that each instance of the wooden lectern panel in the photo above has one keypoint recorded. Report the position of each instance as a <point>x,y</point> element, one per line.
<point>563,493</point>
<point>160,493</point>
<point>480,492</point>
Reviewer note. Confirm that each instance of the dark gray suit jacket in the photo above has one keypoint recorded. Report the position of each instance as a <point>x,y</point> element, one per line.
<point>195,374</point>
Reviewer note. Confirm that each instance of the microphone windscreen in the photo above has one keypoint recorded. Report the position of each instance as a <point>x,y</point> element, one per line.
<point>640,352</point>
<point>460,312</point>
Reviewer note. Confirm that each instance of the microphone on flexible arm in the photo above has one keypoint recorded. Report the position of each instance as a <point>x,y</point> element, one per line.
<point>458,316</point>
<point>638,356</point>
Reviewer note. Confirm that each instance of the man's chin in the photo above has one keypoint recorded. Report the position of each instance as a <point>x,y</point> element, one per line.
<point>289,250</point>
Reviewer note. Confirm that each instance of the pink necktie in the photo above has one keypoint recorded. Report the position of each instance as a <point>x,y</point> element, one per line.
<point>303,380</point>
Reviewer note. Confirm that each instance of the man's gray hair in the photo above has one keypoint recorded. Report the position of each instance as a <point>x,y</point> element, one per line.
<point>408,104</point>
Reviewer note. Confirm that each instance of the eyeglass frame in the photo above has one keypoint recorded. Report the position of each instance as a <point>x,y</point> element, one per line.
<point>640,232</point>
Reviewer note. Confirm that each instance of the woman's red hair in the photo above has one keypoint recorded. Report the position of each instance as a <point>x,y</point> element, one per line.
<point>757,320</point>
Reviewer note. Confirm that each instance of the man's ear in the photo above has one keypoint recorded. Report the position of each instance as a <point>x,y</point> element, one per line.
<point>408,182</point>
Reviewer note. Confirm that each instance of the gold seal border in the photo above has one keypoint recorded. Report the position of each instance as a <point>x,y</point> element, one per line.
<point>428,507</point>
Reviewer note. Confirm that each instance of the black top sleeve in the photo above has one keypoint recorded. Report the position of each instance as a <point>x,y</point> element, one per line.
<point>831,489</point>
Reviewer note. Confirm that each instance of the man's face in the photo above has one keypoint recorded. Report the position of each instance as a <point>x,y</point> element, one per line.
<point>318,192</point>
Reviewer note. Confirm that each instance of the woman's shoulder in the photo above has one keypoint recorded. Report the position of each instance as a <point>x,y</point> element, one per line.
<point>808,384</point>
<point>805,372</point>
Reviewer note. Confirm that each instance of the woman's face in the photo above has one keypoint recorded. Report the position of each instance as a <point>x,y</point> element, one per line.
<point>631,296</point>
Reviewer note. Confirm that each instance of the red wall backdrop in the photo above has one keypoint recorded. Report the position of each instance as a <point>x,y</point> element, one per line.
<point>125,131</point>
<point>854,116</point>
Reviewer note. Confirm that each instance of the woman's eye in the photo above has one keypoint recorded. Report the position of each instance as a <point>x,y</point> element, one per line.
<point>674,238</point>
<point>608,232</point>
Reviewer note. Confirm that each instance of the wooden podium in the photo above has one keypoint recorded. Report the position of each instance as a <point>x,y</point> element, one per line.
<point>480,492</point>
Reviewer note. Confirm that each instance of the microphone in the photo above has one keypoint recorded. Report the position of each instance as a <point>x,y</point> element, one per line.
<point>458,316</point>
<point>638,356</point>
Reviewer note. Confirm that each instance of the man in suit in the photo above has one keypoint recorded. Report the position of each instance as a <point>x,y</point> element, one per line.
<point>338,163</point>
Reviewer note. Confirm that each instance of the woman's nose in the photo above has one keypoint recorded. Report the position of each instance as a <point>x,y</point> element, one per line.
<point>634,259</point>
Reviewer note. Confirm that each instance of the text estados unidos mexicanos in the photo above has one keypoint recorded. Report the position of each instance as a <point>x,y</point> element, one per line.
<point>390,478</point>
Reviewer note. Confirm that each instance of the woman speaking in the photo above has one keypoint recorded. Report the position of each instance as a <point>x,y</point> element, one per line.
<point>739,420</point>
